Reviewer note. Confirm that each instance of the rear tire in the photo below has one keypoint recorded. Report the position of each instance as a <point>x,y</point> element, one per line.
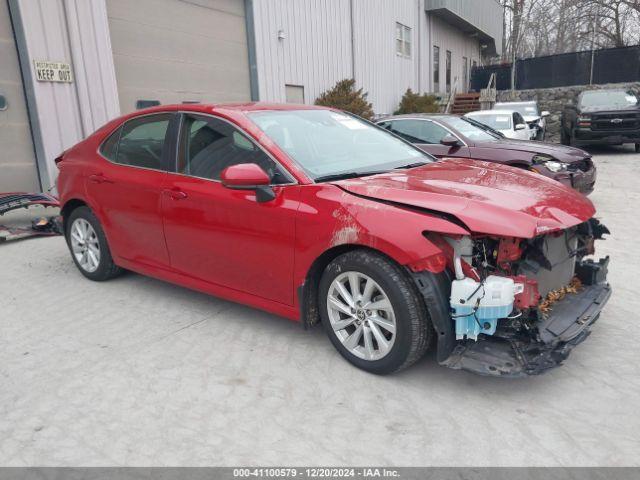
<point>88,246</point>
<point>373,313</point>
<point>637,147</point>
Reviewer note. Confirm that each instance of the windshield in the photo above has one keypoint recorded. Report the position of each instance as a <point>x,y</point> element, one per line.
<point>498,121</point>
<point>608,98</point>
<point>472,129</point>
<point>327,143</point>
<point>524,109</point>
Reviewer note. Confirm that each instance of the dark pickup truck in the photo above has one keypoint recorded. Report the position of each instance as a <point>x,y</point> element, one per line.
<point>610,117</point>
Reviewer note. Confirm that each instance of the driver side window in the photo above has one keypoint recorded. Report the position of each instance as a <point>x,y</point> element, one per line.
<point>209,145</point>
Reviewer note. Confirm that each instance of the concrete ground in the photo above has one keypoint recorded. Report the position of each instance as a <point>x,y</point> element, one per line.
<point>139,372</point>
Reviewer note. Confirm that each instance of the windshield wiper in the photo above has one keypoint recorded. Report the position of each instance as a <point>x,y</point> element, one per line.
<point>413,165</point>
<point>345,175</point>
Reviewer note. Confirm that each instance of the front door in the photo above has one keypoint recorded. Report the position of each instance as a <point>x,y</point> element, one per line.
<point>124,187</point>
<point>225,236</point>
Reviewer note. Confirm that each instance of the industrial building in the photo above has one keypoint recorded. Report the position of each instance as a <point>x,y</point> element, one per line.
<point>69,66</point>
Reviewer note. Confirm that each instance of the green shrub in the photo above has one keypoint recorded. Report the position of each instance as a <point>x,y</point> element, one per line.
<point>415,103</point>
<point>344,96</point>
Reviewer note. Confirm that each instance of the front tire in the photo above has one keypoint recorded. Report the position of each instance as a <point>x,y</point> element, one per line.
<point>373,312</point>
<point>88,246</point>
<point>637,147</point>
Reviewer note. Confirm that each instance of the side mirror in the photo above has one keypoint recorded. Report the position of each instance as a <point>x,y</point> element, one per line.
<point>520,126</point>
<point>545,113</point>
<point>450,141</point>
<point>248,176</point>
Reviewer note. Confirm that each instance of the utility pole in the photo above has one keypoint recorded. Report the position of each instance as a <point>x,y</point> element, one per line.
<point>593,41</point>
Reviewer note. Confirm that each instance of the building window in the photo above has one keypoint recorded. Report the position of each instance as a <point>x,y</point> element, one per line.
<point>448,72</point>
<point>465,74</point>
<point>294,93</point>
<point>436,69</point>
<point>403,40</point>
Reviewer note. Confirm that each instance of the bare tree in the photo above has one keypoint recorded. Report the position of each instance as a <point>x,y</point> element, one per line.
<point>544,27</point>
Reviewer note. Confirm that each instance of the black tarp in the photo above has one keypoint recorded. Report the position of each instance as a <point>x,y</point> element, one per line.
<point>612,65</point>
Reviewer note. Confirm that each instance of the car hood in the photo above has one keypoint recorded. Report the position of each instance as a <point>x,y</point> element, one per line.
<point>559,152</point>
<point>609,109</point>
<point>488,198</point>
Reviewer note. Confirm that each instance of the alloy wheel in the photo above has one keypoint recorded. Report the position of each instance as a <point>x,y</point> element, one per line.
<point>361,315</point>
<point>85,245</point>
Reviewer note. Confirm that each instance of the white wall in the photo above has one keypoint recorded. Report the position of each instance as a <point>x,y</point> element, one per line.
<point>316,52</point>
<point>317,49</point>
<point>17,162</point>
<point>459,44</point>
<point>383,73</point>
<point>179,50</point>
<point>61,114</point>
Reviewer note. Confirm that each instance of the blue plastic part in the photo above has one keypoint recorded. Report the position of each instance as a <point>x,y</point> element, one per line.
<point>487,317</point>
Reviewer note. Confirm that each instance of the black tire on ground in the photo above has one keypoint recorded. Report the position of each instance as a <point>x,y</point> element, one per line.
<point>637,147</point>
<point>413,326</point>
<point>107,269</point>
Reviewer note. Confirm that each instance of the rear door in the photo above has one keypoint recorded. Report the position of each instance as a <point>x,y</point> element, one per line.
<point>124,187</point>
<point>426,135</point>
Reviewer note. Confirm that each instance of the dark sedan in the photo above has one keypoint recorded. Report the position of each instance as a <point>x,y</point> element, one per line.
<point>453,136</point>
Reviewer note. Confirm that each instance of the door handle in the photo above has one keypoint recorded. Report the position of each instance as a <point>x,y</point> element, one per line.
<point>99,178</point>
<point>176,194</point>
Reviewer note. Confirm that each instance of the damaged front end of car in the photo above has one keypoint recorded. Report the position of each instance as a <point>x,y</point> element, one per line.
<point>518,307</point>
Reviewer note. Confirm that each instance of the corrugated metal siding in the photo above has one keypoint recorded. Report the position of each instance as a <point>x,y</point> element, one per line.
<point>317,49</point>
<point>486,15</point>
<point>316,52</point>
<point>179,50</point>
<point>383,73</point>
<point>459,44</point>
<point>17,160</point>
<point>76,32</point>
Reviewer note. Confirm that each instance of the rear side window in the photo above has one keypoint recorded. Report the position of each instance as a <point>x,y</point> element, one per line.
<point>109,148</point>
<point>139,142</point>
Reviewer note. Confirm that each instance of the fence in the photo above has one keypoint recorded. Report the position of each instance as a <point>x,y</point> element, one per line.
<point>612,65</point>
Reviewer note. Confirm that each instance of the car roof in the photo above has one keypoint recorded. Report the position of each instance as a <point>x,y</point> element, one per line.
<point>517,103</point>
<point>501,111</point>
<point>433,116</point>
<point>241,107</point>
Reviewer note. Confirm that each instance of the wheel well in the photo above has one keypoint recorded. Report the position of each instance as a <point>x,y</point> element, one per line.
<point>69,207</point>
<point>308,292</point>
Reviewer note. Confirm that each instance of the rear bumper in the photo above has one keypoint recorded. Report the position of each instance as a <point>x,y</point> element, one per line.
<point>568,325</point>
<point>606,137</point>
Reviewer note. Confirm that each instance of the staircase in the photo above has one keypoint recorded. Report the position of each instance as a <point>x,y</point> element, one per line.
<point>465,103</point>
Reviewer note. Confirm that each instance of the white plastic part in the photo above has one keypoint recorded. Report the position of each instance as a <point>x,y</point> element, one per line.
<point>461,247</point>
<point>478,306</point>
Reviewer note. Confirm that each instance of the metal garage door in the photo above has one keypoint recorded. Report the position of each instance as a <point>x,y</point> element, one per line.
<point>179,50</point>
<point>17,158</point>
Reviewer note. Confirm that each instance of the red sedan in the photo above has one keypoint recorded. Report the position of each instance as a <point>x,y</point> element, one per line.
<point>321,217</point>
